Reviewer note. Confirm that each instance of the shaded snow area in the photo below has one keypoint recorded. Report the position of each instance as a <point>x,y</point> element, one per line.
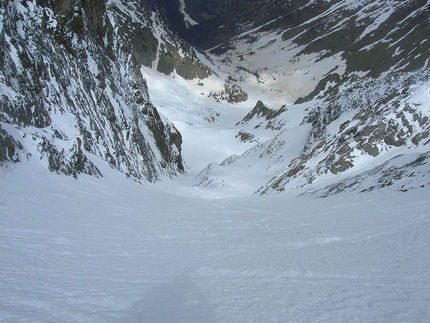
<point>111,250</point>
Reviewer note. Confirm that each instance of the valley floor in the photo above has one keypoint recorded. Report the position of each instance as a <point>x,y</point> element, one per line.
<point>110,250</point>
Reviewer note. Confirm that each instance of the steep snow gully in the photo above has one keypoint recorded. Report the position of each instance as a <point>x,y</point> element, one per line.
<point>202,246</point>
<point>110,250</point>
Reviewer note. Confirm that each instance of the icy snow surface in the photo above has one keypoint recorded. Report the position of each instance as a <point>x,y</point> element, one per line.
<point>111,250</point>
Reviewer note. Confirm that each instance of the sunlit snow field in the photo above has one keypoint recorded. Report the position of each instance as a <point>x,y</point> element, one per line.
<point>112,250</point>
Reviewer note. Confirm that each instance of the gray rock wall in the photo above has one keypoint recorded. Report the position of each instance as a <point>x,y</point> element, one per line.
<point>71,86</point>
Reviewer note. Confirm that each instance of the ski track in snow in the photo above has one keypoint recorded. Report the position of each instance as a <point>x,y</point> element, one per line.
<point>110,250</point>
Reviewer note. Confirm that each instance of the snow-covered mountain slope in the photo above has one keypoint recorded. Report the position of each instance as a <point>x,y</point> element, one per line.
<point>71,87</point>
<point>111,250</point>
<point>92,87</point>
<point>357,72</point>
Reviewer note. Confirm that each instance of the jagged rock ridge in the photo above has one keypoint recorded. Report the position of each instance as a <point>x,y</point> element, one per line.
<point>71,86</point>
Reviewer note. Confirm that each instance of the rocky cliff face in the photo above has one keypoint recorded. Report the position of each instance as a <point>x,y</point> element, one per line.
<point>71,87</point>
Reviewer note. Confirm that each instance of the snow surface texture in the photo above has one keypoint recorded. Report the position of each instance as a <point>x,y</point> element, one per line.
<point>111,250</point>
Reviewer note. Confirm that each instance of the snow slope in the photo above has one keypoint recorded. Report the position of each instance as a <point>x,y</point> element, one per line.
<point>207,127</point>
<point>111,250</point>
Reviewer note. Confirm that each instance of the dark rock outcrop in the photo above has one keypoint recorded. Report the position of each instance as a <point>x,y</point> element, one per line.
<point>8,148</point>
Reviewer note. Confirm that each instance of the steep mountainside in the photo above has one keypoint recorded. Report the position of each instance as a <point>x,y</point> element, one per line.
<point>359,73</point>
<point>71,87</point>
<point>339,88</point>
<point>218,21</point>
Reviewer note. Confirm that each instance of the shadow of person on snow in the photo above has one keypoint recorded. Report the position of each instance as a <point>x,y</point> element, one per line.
<point>178,301</point>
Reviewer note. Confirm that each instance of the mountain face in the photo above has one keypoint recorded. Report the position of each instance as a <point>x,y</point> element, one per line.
<point>380,103</point>
<point>363,85</point>
<point>207,16</point>
<point>218,22</point>
<point>335,90</point>
<point>71,87</point>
